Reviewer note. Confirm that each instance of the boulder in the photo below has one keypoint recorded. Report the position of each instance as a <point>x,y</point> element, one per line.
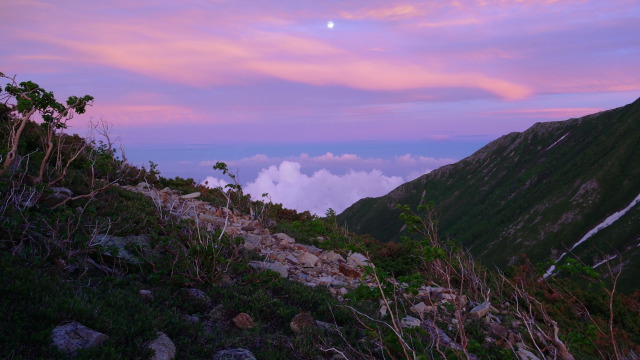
<point>480,311</point>
<point>146,294</point>
<point>332,256</point>
<point>234,354</point>
<point>357,259</point>
<point>198,296</point>
<point>190,196</point>
<point>410,322</point>
<point>244,321</point>
<point>526,355</point>
<point>421,308</point>
<point>61,191</point>
<point>349,272</point>
<point>72,336</point>
<point>143,185</point>
<point>281,269</point>
<point>284,238</point>
<point>163,348</point>
<point>303,322</point>
<point>309,260</point>
<point>117,246</point>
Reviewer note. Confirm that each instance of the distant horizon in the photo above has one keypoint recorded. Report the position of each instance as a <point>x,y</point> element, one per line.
<point>310,100</point>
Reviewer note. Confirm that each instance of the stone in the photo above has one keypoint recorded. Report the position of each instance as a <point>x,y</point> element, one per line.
<point>409,322</point>
<point>143,185</point>
<point>73,336</point>
<point>218,222</point>
<point>190,196</point>
<point>117,246</point>
<point>62,191</point>
<point>332,256</point>
<point>284,238</point>
<point>308,259</point>
<point>498,330</point>
<point>349,272</point>
<point>421,308</point>
<point>358,259</point>
<point>146,294</point>
<point>199,296</point>
<point>292,259</point>
<point>234,354</point>
<point>244,321</point>
<point>526,355</point>
<point>281,269</point>
<point>254,239</point>
<point>163,348</point>
<point>303,322</point>
<point>480,311</point>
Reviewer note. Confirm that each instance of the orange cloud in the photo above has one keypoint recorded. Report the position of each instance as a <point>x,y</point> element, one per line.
<point>391,13</point>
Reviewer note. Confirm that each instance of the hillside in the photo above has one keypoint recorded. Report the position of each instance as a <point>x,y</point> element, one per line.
<point>536,193</point>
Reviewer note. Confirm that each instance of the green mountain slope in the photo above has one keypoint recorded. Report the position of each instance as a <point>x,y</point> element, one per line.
<point>537,192</point>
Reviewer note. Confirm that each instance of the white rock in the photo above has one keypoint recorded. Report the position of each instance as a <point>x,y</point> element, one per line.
<point>481,310</point>
<point>70,337</point>
<point>357,259</point>
<point>309,260</point>
<point>283,270</point>
<point>409,322</point>
<point>163,348</point>
<point>332,256</point>
<point>284,238</point>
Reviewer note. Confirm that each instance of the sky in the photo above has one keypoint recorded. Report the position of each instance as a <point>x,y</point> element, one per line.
<point>320,116</point>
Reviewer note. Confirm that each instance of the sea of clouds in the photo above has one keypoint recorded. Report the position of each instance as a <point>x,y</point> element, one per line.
<point>327,181</point>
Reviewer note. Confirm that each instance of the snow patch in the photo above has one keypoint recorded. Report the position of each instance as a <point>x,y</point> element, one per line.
<point>557,141</point>
<point>606,223</point>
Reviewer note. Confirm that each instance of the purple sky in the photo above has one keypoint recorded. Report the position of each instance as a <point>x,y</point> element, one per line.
<point>318,116</point>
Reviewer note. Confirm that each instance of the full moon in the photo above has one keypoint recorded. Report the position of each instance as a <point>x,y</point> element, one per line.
<point>330,24</point>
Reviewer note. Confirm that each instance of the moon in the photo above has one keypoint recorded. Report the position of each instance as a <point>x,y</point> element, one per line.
<point>330,24</point>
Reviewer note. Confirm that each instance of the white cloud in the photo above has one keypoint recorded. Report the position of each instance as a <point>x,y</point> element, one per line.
<point>322,190</point>
<point>214,182</point>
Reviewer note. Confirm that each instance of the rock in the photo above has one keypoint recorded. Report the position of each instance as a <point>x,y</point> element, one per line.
<point>498,330</point>
<point>199,297</point>
<point>143,185</point>
<point>253,239</point>
<point>480,311</point>
<point>358,259</point>
<point>163,348</point>
<point>63,191</point>
<point>332,256</point>
<point>190,196</point>
<point>421,308</point>
<point>117,246</point>
<point>349,272</point>
<point>146,294</point>
<point>234,354</point>
<point>292,259</point>
<point>284,238</point>
<point>325,325</point>
<point>244,321</point>
<point>218,222</point>
<point>72,336</point>
<point>308,259</point>
<point>281,269</point>
<point>303,322</point>
<point>409,322</point>
<point>526,355</point>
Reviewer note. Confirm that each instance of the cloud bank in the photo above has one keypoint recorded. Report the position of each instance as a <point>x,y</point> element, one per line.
<point>320,191</point>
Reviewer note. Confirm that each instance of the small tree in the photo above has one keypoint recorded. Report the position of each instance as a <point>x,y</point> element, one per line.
<point>27,99</point>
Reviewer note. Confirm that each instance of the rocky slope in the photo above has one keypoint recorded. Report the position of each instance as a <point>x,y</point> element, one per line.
<point>539,193</point>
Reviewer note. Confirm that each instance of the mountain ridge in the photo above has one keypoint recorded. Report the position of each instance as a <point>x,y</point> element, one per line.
<point>535,192</point>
